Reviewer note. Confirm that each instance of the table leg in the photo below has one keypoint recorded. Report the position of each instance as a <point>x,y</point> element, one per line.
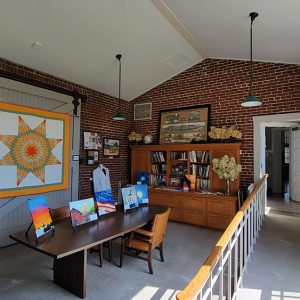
<point>70,273</point>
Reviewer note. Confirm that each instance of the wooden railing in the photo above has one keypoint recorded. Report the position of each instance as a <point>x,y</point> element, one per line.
<point>222,272</point>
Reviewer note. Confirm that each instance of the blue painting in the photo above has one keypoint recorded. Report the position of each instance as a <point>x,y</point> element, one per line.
<point>142,193</point>
<point>105,202</point>
<point>142,177</point>
<point>129,198</point>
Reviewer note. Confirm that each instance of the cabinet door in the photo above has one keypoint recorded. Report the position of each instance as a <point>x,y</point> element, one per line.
<point>194,203</point>
<point>221,207</point>
<point>218,221</point>
<point>140,162</point>
<point>193,217</point>
<point>156,197</point>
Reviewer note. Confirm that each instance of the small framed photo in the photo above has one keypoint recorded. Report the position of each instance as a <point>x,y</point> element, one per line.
<point>92,141</point>
<point>92,157</point>
<point>111,147</point>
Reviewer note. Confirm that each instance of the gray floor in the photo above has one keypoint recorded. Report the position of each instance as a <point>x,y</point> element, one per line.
<point>27,274</point>
<point>274,270</point>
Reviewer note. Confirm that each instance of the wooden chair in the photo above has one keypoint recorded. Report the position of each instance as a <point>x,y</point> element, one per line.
<point>142,240</point>
<point>64,212</point>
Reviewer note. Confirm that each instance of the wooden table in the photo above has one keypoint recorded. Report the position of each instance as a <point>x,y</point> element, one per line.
<point>69,247</point>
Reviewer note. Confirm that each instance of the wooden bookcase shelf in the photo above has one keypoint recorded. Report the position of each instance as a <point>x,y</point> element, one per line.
<point>166,164</point>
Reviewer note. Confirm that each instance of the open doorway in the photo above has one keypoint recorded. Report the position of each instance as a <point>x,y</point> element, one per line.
<point>277,156</point>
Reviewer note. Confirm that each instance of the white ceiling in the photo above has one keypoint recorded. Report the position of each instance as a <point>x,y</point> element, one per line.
<point>81,38</point>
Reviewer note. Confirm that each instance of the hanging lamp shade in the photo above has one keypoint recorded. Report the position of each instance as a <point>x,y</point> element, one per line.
<point>119,116</point>
<point>251,100</point>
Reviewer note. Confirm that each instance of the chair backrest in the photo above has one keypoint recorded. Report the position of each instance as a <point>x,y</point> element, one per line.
<point>60,213</point>
<point>159,227</point>
<point>121,184</point>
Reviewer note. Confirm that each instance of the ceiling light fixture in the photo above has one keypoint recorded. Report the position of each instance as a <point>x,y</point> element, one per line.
<point>251,99</point>
<point>119,115</point>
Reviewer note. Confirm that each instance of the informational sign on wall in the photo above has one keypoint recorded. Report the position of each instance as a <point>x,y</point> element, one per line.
<point>34,150</point>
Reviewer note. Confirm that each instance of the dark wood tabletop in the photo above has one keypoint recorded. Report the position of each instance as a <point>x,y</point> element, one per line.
<point>65,241</point>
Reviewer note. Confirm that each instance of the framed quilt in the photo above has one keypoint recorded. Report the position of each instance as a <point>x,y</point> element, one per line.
<point>34,151</point>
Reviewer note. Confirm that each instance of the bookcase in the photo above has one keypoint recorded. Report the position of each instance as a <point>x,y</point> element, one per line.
<point>167,164</point>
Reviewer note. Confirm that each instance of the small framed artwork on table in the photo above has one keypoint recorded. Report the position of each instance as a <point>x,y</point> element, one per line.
<point>111,147</point>
<point>92,157</point>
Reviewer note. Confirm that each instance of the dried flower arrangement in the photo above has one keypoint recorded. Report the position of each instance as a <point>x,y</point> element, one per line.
<point>226,168</point>
<point>224,133</point>
<point>135,137</point>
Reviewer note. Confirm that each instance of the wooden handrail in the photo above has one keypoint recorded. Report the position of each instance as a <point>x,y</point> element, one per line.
<point>195,285</point>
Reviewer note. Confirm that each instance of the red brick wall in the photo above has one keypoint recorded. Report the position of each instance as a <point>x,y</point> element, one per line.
<point>96,115</point>
<point>224,84</point>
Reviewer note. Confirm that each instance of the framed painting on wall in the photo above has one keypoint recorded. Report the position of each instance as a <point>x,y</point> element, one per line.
<point>184,125</point>
<point>111,147</point>
<point>92,141</point>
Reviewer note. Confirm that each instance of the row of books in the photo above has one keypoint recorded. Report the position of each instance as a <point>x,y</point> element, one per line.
<point>158,179</point>
<point>158,156</point>
<point>159,169</point>
<point>199,170</point>
<point>199,156</point>
<point>178,155</point>
<point>202,184</point>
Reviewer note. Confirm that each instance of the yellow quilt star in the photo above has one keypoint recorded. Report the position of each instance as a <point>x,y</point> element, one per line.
<point>30,150</point>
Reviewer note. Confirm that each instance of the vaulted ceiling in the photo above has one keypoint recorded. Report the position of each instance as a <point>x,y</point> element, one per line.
<point>157,39</point>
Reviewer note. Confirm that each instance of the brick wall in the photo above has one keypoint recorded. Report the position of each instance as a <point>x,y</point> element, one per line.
<point>96,115</point>
<point>224,84</point>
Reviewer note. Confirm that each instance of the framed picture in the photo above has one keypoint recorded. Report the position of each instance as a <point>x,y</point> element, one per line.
<point>184,125</point>
<point>92,141</point>
<point>92,157</point>
<point>129,198</point>
<point>111,147</point>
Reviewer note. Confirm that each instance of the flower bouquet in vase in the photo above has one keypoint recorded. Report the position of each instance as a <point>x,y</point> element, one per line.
<point>226,168</point>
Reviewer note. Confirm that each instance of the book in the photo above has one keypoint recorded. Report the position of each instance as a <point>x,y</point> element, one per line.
<point>105,202</point>
<point>142,193</point>
<point>40,214</point>
<point>129,198</point>
<point>82,211</point>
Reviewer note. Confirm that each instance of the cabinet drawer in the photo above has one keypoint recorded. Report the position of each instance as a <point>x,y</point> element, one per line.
<point>218,221</point>
<point>194,204</point>
<point>192,217</point>
<point>221,207</point>
<point>175,215</point>
<point>172,201</point>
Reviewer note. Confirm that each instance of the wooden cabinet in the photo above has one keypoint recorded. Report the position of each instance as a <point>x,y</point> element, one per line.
<point>194,208</point>
<point>166,164</point>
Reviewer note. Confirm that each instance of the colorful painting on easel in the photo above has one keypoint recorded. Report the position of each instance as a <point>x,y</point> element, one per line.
<point>40,214</point>
<point>82,211</point>
<point>142,193</point>
<point>129,198</point>
<point>105,202</point>
<point>34,151</point>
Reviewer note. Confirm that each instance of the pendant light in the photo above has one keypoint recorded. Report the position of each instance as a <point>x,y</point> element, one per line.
<point>119,115</point>
<point>251,99</point>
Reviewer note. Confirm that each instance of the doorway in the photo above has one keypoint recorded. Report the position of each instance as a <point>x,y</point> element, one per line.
<point>277,155</point>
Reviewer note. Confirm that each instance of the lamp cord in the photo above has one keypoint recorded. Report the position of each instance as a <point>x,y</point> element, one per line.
<point>119,83</point>
<point>251,68</point>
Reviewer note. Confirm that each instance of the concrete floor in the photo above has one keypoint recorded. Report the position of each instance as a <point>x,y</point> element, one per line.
<point>273,273</point>
<point>27,274</point>
<point>274,270</point>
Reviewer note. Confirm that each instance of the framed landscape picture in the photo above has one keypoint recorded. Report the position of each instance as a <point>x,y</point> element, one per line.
<point>184,125</point>
<point>92,141</point>
<point>111,147</point>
